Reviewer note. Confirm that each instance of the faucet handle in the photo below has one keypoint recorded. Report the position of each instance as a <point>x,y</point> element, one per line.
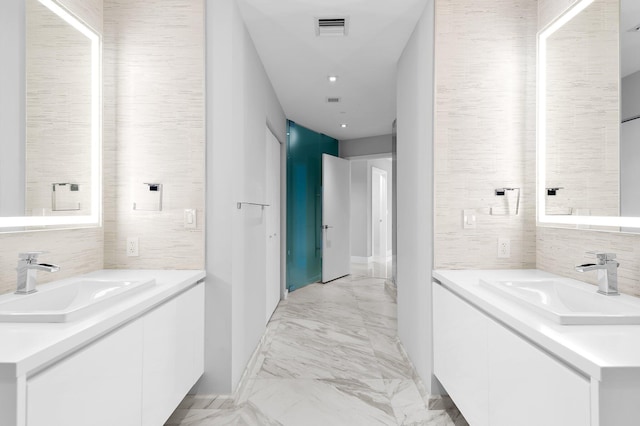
<point>603,256</point>
<point>30,256</point>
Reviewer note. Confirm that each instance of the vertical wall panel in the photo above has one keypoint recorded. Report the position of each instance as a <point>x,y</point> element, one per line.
<point>12,108</point>
<point>240,101</point>
<point>154,90</point>
<point>484,130</point>
<point>415,93</point>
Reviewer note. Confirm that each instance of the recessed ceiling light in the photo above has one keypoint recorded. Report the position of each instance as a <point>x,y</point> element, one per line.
<point>343,125</point>
<point>333,78</point>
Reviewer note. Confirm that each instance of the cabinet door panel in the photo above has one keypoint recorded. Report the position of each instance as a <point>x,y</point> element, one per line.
<point>460,354</point>
<point>527,387</point>
<point>98,386</point>
<point>173,354</point>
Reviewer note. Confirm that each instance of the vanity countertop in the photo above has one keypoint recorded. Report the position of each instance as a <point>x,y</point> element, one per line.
<point>26,348</point>
<point>597,350</point>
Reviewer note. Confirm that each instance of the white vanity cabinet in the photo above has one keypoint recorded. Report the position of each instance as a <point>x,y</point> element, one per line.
<point>135,375</point>
<point>460,354</point>
<point>173,357</point>
<point>498,378</point>
<point>99,385</point>
<point>529,387</point>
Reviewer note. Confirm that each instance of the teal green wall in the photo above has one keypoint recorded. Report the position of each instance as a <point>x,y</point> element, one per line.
<point>304,203</point>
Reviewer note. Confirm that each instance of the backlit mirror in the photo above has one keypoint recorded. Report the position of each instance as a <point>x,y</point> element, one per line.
<point>50,141</point>
<point>588,100</point>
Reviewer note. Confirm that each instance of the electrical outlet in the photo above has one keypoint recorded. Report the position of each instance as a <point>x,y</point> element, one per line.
<point>504,248</point>
<point>132,247</point>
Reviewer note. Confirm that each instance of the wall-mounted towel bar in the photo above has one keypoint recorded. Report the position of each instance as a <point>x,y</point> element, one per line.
<point>239,204</point>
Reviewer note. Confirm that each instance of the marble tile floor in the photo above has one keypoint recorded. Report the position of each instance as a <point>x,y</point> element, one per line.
<point>330,356</point>
<point>373,269</point>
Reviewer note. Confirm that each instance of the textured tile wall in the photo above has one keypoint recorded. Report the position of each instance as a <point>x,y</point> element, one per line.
<point>582,71</point>
<point>559,250</point>
<point>154,129</point>
<point>90,11</point>
<point>153,119</point>
<point>58,111</point>
<point>548,10</point>
<point>485,129</point>
<point>77,251</point>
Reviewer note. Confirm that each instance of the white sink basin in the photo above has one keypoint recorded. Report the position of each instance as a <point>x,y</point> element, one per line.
<point>569,303</point>
<point>68,302</point>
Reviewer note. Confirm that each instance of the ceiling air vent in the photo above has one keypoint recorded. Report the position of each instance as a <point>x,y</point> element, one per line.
<point>333,100</point>
<point>331,27</point>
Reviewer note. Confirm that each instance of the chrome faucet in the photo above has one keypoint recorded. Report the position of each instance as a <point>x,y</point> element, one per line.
<point>607,268</point>
<point>27,268</point>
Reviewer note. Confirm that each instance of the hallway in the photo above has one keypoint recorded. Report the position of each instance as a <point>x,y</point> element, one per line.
<point>372,270</point>
<point>330,356</point>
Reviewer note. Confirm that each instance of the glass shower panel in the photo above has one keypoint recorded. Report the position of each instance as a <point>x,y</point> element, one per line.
<point>304,203</point>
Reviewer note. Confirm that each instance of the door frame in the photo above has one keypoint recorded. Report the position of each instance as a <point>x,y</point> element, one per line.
<point>273,153</point>
<point>376,176</point>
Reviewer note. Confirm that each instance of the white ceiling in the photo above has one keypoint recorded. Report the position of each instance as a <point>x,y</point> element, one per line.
<point>629,41</point>
<point>298,62</point>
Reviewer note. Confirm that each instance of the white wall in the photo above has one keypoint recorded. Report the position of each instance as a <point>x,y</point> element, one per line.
<point>629,146</point>
<point>629,171</point>
<point>386,165</point>
<point>240,102</point>
<point>372,145</point>
<point>12,107</point>
<point>361,213</point>
<point>630,96</point>
<point>360,210</point>
<point>415,195</point>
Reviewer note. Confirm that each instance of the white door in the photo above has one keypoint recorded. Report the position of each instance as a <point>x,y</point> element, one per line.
<point>379,214</point>
<point>273,223</point>
<point>336,182</point>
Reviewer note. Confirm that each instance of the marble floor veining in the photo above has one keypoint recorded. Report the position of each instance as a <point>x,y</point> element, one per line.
<point>330,356</point>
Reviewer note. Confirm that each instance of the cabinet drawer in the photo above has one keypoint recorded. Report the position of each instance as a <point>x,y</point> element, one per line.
<point>98,385</point>
<point>460,354</point>
<point>173,354</point>
<point>528,387</point>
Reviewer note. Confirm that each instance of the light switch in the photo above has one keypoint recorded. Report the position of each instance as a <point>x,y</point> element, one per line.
<point>190,221</point>
<point>468,219</point>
